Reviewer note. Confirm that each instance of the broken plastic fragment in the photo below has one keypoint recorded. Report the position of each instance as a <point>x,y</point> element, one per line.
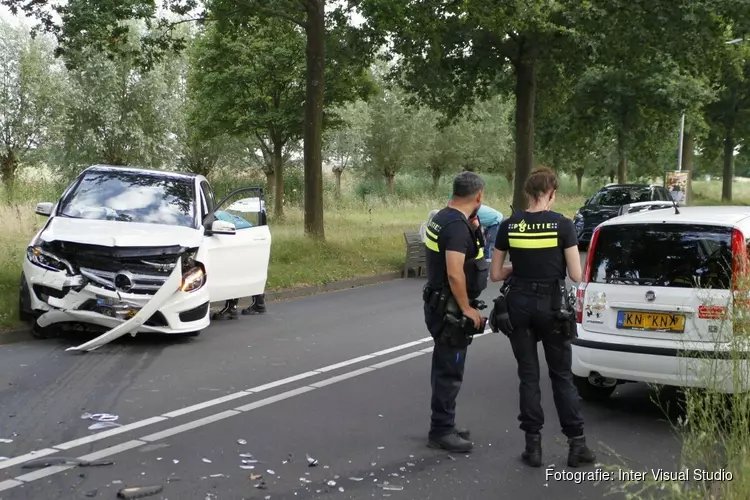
<point>249,461</point>
<point>255,477</point>
<point>5,440</point>
<point>175,461</point>
<point>247,467</point>
<point>381,447</point>
<point>402,469</point>
<point>409,464</point>
<point>245,455</point>
<point>311,462</point>
<point>331,483</point>
<point>100,417</point>
<point>48,461</point>
<point>103,425</point>
<point>341,489</point>
<point>139,491</point>
<point>92,493</point>
<point>271,472</point>
<point>392,487</point>
<point>356,478</point>
<point>216,475</point>
<point>207,460</point>
<point>241,441</point>
<point>261,485</point>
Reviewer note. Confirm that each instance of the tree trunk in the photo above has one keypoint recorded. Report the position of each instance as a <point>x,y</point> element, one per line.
<point>611,176</point>
<point>726,184</point>
<point>687,163</point>
<point>436,174</point>
<point>278,171</point>
<point>8,168</point>
<point>337,173</point>
<point>579,179</point>
<point>525,99</point>
<point>270,182</point>
<point>390,179</point>
<point>315,86</point>
<point>622,157</point>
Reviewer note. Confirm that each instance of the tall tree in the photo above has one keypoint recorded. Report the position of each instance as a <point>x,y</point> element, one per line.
<point>344,145</point>
<point>32,89</point>
<point>98,24</point>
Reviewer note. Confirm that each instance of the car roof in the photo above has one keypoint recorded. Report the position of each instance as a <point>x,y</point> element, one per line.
<point>137,170</point>
<point>715,215</point>
<point>623,186</point>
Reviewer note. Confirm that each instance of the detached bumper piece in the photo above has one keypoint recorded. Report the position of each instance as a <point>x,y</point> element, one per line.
<point>122,320</point>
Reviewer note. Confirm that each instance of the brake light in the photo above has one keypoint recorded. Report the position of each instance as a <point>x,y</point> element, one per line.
<point>739,258</point>
<point>581,289</point>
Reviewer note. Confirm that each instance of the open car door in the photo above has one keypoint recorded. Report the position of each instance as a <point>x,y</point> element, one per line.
<point>238,242</point>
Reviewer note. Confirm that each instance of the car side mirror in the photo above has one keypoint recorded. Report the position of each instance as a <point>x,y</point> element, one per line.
<point>44,209</point>
<point>222,227</point>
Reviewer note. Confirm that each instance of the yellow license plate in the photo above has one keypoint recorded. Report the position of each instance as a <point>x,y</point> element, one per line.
<point>639,320</point>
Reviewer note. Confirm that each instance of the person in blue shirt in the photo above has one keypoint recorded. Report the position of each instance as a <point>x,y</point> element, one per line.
<point>229,311</point>
<point>490,220</point>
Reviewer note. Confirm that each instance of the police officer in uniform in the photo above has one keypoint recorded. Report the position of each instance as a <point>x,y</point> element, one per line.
<point>543,245</point>
<point>456,275</point>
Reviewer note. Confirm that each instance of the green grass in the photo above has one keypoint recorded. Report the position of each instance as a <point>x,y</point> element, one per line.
<point>364,229</point>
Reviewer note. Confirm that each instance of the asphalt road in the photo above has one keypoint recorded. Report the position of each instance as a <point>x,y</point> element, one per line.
<point>365,426</point>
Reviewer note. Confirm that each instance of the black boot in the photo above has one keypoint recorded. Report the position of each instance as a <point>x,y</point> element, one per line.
<point>452,442</point>
<point>258,306</point>
<point>228,312</point>
<point>532,455</point>
<point>579,453</point>
<point>463,433</point>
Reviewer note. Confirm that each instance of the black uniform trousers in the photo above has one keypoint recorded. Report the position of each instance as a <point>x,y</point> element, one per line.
<point>446,377</point>
<point>533,320</point>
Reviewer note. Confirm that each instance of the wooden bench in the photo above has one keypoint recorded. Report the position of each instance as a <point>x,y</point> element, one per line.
<point>416,257</point>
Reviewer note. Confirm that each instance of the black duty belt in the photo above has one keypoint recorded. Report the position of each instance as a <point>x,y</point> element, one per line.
<point>527,286</point>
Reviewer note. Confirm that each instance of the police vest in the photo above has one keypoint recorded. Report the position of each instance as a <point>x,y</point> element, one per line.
<point>475,268</point>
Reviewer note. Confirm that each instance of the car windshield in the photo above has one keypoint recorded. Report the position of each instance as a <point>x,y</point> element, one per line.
<point>621,196</point>
<point>132,197</point>
<point>670,255</point>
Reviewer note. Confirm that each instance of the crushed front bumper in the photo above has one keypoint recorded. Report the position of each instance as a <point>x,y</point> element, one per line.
<point>66,299</point>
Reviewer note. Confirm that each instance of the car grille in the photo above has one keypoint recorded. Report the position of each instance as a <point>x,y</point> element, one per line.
<point>125,281</point>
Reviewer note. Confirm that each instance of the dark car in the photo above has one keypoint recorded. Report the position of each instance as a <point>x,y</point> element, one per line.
<point>607,202</point>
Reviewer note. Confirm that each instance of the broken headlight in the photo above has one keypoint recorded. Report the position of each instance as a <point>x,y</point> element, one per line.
<point>46,260</point>
<point>193,279</point>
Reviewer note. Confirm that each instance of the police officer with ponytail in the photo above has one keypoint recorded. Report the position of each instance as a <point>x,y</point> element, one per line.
<point>456,275</point>
<point>535,306</point>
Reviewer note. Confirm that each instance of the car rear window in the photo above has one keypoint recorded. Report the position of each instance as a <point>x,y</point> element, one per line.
<point>621,196</point>
<point>669,255</point>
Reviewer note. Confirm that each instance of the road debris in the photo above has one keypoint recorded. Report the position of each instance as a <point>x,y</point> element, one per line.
<point>270,471</point>
<point>216,475</point>
<point>391,487</point>
<point>255,477</point>
<point>5,440</point>
<point>381,447</point>
<point>92,493</point>
<point>341,489</point>
<point>4,458</point>
<point>261,485</point>
<point>331,483</point>
<point>139,491</point>
<point>247,467</point>
<point>242,441</point>
<point>175,461</point>
<point>100,417</point>
<point>207,461</point>
<point>103,425</point>
<point>245,455</point>
<point>356,479</point>
<point>250,461</point>
<point>40,463</point>
<point>289,459</point>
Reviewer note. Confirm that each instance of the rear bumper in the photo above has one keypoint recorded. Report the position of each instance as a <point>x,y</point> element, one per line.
<point>710,366</point>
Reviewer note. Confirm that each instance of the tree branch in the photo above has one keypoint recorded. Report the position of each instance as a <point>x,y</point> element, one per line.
<point>281,15</point>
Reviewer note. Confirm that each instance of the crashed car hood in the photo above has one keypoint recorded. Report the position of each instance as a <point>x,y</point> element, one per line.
<point>120,234</point>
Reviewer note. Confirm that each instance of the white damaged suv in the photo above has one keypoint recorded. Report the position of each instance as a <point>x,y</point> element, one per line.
<point>655,301</point>
<point>138,251</point>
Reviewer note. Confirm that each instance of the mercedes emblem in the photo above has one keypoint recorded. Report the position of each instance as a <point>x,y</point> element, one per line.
<point>650,296</point>
<point>124,281</point>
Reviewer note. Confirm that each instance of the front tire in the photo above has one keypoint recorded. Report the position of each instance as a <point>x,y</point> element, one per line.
<point>25,314</point>
<point>590,392</point>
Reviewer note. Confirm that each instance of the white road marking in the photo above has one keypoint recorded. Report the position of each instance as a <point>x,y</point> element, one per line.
<point>341,377</point>
<point>397,360</point>
<point>112,450</point>
<point>190,425</point>
<point>102,435</point>
<point>206,404</point>
<point>9,484</point>
<point>274,399</point>
<point>346,363</point>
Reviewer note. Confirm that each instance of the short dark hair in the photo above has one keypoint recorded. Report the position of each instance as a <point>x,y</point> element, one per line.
<point>540,182</point>
<point>467,184</point>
